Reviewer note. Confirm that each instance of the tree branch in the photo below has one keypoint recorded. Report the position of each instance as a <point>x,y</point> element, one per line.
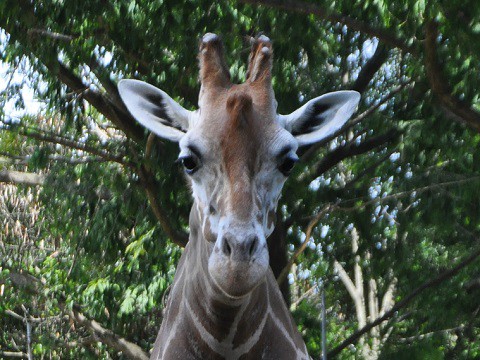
<point>388,300</point>
<point>303,246</point>
<point>33,320</point>
<point>445,275</point>
<point>347,282</point>
<point>24,159</point>
<point>352,149</point>
<point>368,170</point>
<point>370,68</point>
<point>350,124</point>
<point>21,178</point>
<point>53,139</point>
<point>303,7</point>
<point>13,354</point>
<point>106,107</point>
<point>147,179</point>
<point>18,31</point>
<point>402,194</point>
<point>50,34</point>
<point>359,285</point>
<point>455,108</point>
<point>106,336</point>
<point>430,334</point>
<point>109,338</point>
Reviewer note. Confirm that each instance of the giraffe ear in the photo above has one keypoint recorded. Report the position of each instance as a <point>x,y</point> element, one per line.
<point>321,116</point>
<point>154,109</point>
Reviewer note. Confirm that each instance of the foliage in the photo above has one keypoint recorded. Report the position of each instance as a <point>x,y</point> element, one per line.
<point>405,176</point>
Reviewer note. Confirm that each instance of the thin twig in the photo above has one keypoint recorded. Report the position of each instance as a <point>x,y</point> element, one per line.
<point>75,145</point>
<point>50,34</point>
<point>359,118</point>
<point>302,297</point>
<point>303,246</point>
<point>324,324</point>
<point>429,334</point>
<point>29,333</point>
<point>403,194</point>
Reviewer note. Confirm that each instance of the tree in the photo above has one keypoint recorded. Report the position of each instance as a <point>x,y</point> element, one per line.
<point>90,259</point>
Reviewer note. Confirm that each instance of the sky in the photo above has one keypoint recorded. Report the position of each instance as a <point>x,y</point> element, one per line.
<point>32,105</point>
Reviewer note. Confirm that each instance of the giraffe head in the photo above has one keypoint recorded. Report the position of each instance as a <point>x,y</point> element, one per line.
<point>237,153</point>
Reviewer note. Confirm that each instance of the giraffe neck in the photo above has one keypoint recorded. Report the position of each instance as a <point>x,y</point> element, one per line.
<point>201,322</point>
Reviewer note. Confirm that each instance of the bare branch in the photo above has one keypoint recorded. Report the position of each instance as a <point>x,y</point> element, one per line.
<point>29,332</point>
<point>373,306</point>
<point>388,300</point>
<point>24,159</point>
<point>430,334</point>
<point>355,289</point>
<point>106,336</point>
<point>50,34</point>
<point>374,107</point>
<point>21,178</point>
<point>301,249</point>
<point>403,194</point>
<point>343,205</point>
<point>347,282</point>
<point>305,295</point>
<point>324,324</point>
<point>129,349</point>
<point>368,170</point>
<point>13,354</point>
<point>107,108</point>
<point>33,320</point>
<point>443,276</point>
<point>53,139</point>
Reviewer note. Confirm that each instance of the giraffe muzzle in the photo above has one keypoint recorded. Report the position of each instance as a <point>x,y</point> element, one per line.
<point>238,264</point>
<point>240,251</point>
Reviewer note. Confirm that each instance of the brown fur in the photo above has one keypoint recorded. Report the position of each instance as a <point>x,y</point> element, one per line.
<point>213,68</point>
<point>260,63</point>
<point>239,145</point>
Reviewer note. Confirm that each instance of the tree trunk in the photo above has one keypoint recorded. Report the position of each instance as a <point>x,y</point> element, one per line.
<point>277,249</point>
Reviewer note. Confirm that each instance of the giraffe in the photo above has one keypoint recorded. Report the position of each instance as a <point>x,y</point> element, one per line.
<point>237,153</point>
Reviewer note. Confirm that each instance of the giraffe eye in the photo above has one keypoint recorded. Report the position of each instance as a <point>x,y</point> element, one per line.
<point>190,164</point>
<point>287,165</point>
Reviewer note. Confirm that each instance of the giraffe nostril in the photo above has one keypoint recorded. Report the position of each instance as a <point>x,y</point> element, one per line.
<point>253,246</point>
<point>227,250</point>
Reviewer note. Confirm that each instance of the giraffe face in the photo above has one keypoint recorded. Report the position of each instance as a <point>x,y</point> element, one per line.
<point>237,153</point>
<point>237,157</point>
